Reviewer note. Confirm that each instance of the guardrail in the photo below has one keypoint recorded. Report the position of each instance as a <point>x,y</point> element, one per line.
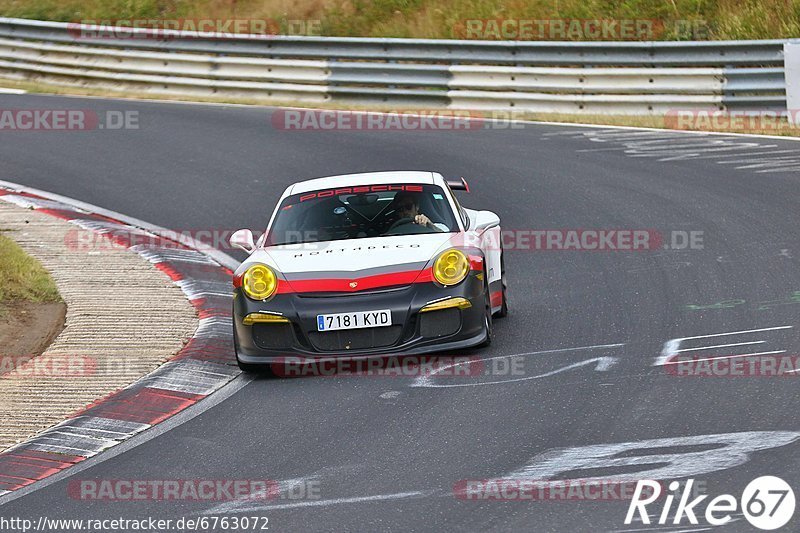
<point>565,77</point>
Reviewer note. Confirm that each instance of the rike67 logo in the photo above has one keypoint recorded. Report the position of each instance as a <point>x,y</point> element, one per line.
<point>767,503</point>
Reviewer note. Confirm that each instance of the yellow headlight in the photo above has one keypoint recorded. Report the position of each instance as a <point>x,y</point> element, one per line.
<point>451,267</point>
<point>259,282</point>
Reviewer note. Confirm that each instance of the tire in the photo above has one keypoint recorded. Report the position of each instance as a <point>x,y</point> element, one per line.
<point>487,315</point>
<point>503,312</point>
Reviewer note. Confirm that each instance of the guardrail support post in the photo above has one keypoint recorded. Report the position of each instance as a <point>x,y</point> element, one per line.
<point>791,58</point>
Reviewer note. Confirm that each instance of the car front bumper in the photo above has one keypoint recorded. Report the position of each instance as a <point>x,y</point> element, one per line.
<point>411,332</point>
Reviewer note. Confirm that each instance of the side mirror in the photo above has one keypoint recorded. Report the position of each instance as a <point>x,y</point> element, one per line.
<point>486,220</point>
<point>243,239</point>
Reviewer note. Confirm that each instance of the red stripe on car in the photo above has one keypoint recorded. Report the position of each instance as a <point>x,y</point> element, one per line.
<point>360,284</point>
<point>355,284</point>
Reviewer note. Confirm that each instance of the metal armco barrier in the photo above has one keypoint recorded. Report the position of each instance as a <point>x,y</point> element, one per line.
<point>564,77</point>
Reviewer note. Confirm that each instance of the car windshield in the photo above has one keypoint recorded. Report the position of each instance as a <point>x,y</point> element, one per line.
<point>362,211</point>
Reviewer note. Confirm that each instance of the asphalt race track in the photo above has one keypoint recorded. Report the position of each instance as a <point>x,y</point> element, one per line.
<point>588,326</point>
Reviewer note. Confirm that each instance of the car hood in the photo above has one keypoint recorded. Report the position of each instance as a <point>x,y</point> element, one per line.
<point>398,259</point>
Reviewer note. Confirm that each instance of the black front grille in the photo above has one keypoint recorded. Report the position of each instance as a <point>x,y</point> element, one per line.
<point>439,323</point>
<point>273,336</point>
<point>355,339</point>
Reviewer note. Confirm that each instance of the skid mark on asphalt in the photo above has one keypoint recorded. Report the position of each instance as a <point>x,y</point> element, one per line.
<point>758,155</point>
<point>601,364</point>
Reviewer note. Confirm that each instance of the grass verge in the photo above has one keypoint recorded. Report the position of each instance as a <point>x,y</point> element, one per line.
<point>23,278</point>
<point>444,19</point>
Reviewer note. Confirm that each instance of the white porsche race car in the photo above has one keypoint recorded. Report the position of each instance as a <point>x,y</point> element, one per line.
<point>368,264</point>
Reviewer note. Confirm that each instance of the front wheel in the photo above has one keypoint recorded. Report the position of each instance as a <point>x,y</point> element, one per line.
<point>487,316</point>
<point>504,306</point>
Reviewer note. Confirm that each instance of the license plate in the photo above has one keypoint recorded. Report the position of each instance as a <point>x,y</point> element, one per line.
<point>359,319</point>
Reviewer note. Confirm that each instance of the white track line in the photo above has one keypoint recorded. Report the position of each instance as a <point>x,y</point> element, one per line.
<point>603,363</point>
<point>724,357</point>
<point>671,350</point>
<point>719,346</point>
<point>734,333</point>
<point>253,507</point>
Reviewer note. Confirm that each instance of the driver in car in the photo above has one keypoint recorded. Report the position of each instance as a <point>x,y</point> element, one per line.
<point>407,206</point>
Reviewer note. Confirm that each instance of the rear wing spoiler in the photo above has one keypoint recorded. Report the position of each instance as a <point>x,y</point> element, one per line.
<point>458,185</point>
